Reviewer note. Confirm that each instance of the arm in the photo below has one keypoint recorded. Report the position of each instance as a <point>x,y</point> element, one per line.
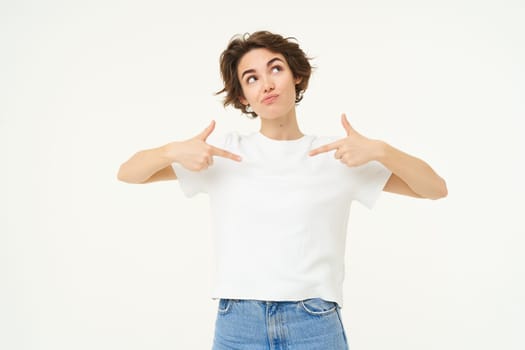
<point>155,164</point>
<point>149,165</point>
<point>410,176</point>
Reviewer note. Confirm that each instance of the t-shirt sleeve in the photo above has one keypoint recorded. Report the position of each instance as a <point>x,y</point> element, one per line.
<point>194,182</point>
<point>370,179</point>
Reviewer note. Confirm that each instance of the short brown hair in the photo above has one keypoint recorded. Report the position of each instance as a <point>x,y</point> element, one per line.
<point>239,45</point>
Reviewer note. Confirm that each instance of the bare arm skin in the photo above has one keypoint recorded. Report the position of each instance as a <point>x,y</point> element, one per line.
<point>410,176</point>
<point>149,165</point>
<point>155,164</point>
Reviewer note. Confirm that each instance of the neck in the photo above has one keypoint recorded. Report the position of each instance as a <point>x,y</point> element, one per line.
<point>281,128</point>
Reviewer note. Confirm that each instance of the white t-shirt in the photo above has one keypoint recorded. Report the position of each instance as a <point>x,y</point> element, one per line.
<point>279,216</point>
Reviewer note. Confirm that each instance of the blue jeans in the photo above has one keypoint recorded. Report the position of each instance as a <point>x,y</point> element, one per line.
<point>310,324</point>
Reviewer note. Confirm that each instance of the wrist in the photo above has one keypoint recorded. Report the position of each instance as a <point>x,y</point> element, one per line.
<point>169,152</point>
<point>380,150</point>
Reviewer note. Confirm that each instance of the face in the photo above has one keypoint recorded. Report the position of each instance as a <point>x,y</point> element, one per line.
<point>267,83</point>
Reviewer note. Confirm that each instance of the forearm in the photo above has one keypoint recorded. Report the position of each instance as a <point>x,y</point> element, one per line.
<point>143,164</point>
<point>416,173</point>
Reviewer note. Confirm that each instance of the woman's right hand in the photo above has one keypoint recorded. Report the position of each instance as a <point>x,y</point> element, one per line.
<point>195,154</point>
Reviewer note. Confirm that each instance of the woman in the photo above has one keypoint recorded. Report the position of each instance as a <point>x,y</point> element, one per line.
<point>280,200</point>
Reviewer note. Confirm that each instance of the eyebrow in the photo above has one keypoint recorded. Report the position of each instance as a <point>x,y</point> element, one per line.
<point>267,64</point>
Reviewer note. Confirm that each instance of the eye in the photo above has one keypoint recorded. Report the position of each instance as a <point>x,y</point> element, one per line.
<point>277,69</point>
<point>251,79</point>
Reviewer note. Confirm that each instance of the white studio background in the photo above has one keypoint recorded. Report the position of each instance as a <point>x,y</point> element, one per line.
<point>87,262</point>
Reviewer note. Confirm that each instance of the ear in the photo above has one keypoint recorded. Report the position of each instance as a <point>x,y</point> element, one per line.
<point>243,100</point>
<point>298,80</point>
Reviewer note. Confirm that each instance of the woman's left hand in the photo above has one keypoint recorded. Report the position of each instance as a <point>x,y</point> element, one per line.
<point>353,150</point>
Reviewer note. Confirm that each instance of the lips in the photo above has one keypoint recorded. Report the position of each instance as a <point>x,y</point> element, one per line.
<point>269,99</point>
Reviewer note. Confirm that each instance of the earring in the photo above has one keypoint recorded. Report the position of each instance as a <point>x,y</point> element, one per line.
<point>249,109</point>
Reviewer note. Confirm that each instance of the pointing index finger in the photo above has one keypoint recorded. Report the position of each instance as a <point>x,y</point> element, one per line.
<point>325,148</point>
<point>225,154</point>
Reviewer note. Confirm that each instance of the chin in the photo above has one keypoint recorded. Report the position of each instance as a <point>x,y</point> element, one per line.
<point>269,116</point>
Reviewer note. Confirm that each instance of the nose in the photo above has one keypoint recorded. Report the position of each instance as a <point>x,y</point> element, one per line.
<point>268,84</point>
